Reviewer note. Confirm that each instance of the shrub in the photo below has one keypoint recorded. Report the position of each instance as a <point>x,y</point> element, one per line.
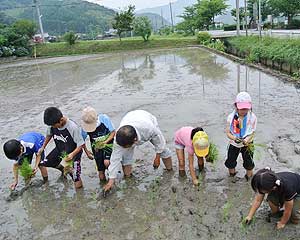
<point>21,52</point>
<point>7,52</point>
<point>231,27</point>
<point>218,45</point>
<point>70,38</point>
<point>203,37</point>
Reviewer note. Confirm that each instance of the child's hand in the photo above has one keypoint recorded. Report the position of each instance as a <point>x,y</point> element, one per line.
<point>247,220</point>
<point>195,182</point>
<point>34,171</point>
<point>69,157</point>
<point>246,142</point>
<point>280,225</point>
<point>238,140</point>
<point>13,186</point>
<point>90,155</point>
<point>106,163</point>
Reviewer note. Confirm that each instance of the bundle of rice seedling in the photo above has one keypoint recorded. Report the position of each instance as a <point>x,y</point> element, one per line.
<point>213,153</point>
<point>25,170</point>
<point>252,146</point>
<point>101,145</point>
<point>68,165</point>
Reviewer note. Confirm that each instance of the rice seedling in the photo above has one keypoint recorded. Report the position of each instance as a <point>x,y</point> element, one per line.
<point>101,145</point>
<point>226,208</point>
<point>213,153</point>
<point>25,170</point>
<point>252,148</point>
<point>68,165</point>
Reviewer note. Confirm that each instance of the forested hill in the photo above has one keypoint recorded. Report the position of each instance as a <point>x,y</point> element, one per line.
<point>61,16</point>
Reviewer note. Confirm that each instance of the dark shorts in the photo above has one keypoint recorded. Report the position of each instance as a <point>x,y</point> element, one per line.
<point>100,156</point>
<point>275,198</point>
<point>53,160</point>
<point>233,153</point>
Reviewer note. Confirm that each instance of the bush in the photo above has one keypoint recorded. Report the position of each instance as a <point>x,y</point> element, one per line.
<point>218,45</point>
<point>295,24</point>
<point>21,52</point>
<point>231,27</point>
<point>203,37</point>
<point>70,38</point>
<point>7,51</point>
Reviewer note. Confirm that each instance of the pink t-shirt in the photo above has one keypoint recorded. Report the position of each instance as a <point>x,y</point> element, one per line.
<point>183,138</point>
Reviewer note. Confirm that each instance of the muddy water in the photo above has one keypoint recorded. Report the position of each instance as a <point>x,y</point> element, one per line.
<point>181,87</point>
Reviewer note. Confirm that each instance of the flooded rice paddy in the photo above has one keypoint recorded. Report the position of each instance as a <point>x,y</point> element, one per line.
<point>181,87</point>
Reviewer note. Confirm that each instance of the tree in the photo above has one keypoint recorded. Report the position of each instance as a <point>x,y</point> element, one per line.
<point>70,38</point>
<point>241,13</point>
<point>25,27</point>
<point>189,23</point>
<point>252,7</point>
<point>124,20</point>
<point>142,27</point>
<point>288,8</point>
<point>207,10</point>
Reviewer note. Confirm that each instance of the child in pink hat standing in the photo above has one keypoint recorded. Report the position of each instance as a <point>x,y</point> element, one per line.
<point>240,129</point>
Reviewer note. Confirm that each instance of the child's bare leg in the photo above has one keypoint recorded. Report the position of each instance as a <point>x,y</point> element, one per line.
<point>232,171</point>
<point>249,173</point>
<point>274,208</point>
<point>168,163</point>
<point>181,162</point>
<point>127,169</point>
<point>200,163</point>
<point>101,175</point>
<point>78,184</point>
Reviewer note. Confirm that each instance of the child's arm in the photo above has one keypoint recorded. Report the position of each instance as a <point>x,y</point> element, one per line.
<point>110,137</point>
<point>192,169</point>
<point>87,152</point>
<point>38,157</point>
<point>47,140</point>
<point>288,207</point>
<point>74,153</point>
<point>16,176</point>
<point>255,205</point>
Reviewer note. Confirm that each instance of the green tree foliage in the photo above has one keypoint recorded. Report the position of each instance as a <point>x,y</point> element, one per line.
<point>70,38</point>
<point>124,20</point>
<point>241,13</point>
<point>288,8</point>
<point>189,23</point>
<point>25,27</point>
<point>252,5</point>
<point>142,27</point>
<point>201,15</point>
<point>208,9</point>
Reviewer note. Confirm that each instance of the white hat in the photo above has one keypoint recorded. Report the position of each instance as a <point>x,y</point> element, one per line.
<point>89,119</point>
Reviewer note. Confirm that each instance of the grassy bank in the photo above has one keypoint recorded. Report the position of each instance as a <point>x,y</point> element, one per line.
<point>281,54</point>
<point>90,47</point>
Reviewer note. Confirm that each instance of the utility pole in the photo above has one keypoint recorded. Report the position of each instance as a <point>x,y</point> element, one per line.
<point>237,17</point>
<point>40,18</point>
<point>259,17</point>
<point>171,12</point>
<point>246,18</point>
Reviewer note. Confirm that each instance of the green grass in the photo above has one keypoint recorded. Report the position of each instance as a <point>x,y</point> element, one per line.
<point>276,49</point>
<point>102,46</point>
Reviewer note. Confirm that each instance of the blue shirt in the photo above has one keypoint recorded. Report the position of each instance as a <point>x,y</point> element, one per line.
<point>31,142</point>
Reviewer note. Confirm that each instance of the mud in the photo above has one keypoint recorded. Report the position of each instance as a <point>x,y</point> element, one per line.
<point>181,87</point>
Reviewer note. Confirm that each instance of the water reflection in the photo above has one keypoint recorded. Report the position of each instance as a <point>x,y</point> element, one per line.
<point>205,64</point>
<point>133,75</point>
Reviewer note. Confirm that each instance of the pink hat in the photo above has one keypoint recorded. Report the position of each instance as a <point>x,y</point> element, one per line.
<point>89,119</point>
<point>243,101</point>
